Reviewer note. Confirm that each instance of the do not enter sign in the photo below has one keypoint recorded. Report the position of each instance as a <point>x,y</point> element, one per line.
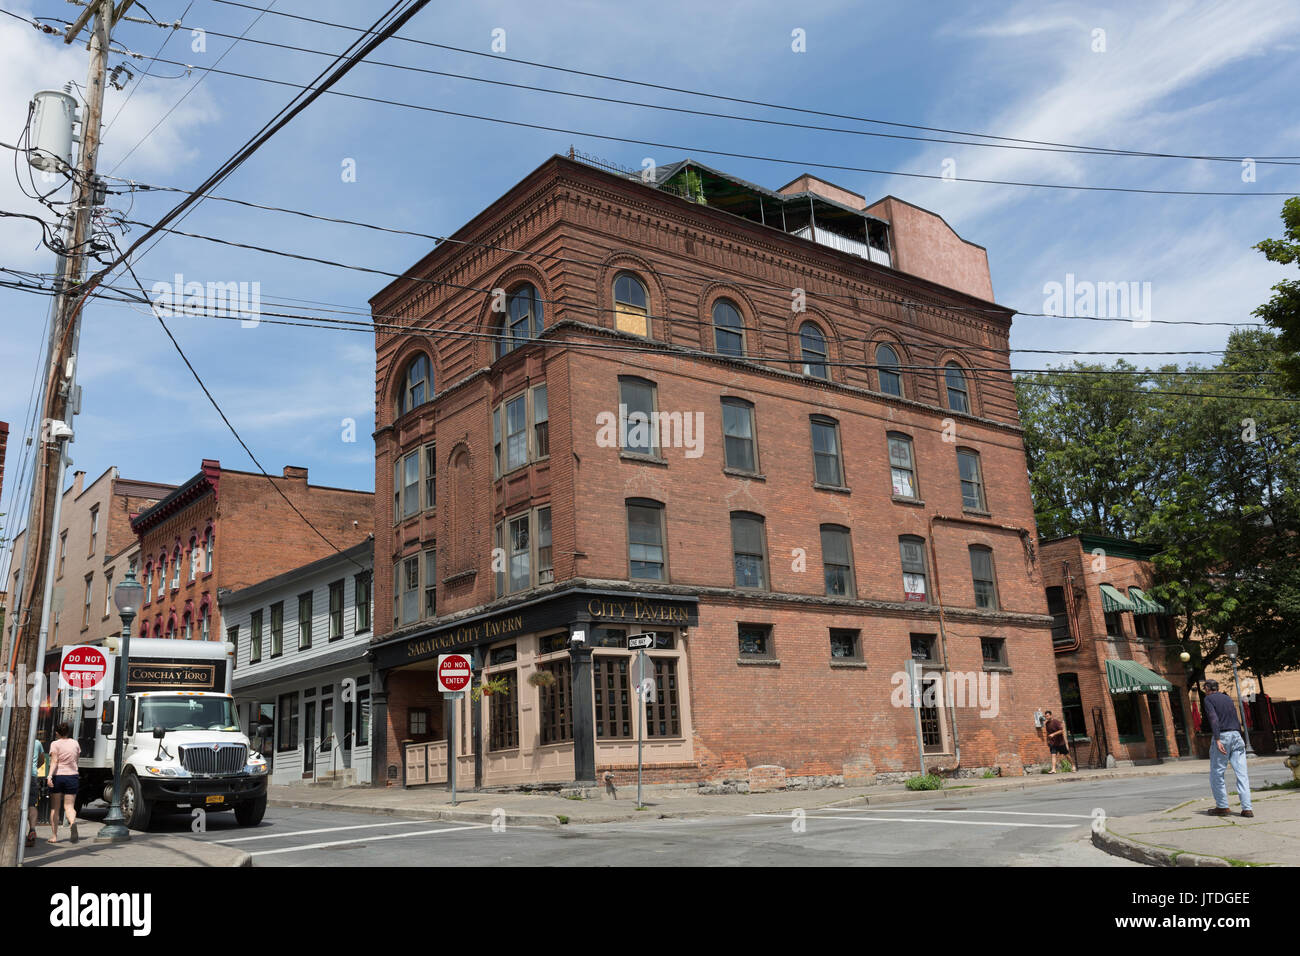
<point>82,668</point>
<point>453,673</point>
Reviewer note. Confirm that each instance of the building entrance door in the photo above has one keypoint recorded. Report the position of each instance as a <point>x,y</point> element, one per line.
<point>309,739</point>
<point>1157,726</point>
<point>1180,724</point>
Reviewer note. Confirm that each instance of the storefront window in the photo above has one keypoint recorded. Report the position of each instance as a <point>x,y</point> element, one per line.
<point>663,714</point>
<point>1128,721</point>
<point>556,702</point>
<point>503,714</point>
<point>288,737</point>
<point>613,697</point>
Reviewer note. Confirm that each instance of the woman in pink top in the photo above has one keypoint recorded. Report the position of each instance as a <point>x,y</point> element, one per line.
<point>63,780</point>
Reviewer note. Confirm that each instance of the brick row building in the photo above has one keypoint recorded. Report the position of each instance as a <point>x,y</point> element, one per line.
<point>772,427</point>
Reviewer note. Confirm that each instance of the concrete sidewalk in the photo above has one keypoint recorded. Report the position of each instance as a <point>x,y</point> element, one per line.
<point>1187,835</point>
<point>143,849</point>
<point>594,806</point>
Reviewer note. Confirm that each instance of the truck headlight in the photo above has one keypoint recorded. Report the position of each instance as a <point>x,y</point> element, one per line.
<point>167,771</point>
<point>255,768</point>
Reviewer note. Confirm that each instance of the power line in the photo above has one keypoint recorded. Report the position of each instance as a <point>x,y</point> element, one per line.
<point>139,80</point>
<point>727,153</point>
<point>1074,151</point>
<point>752,102</point>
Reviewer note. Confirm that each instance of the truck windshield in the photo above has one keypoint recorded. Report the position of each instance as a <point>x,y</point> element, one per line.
<point>187,713</point>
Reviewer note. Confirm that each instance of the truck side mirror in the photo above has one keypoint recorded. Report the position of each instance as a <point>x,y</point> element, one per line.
<point>106,716</point>
<point>159,733</point>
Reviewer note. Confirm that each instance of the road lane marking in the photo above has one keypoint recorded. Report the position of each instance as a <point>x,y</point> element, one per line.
<point>359,826</point>
<point>373,839</point>
<point>968,823</point>
<point>1018,813</point>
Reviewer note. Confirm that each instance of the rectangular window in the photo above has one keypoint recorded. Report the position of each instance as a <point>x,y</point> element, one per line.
<point>826,453</point>
<point>516,433</point>
<point>503,714</point>
<point>336,610</point>
<point>255,637</point>
<point>63,554</point>
<point>545,556</point>
<point>1115,623</point>
<point>748,551</point>
<point>994,651</point>
<point>361,600</point>
<point>612,696</point>
<point>94,527</point>
<point>972,483</point>
<point>500,549</point>
<point>645,541</point>
<point>923,647</point>
<point>520,575</point>
<point>556,702</point>
<point>845,644</point>
<point>363,710</point>
<point>496,442</point>
<point>108,593</point>
<point>85,610</point>
<point>1128,720</point>
<point>277,628</point>
<point>288,711</point>
<point>1061,633</point>
<point>912,553</point>
<point>636,416</point>
<point>738,435</point>
<point>417,721</point>
<point>541,423</point>
<point>755,640</point>
<point>304,621</point>
<point>407,591</point>
<point>981,569</point>
<point>411,484</point>
<point>663,714</point>
<point>901,466</point>
<point>1072,705</point>
<point>837,559</point>
<point>430,476</point>
<point>431,584</point>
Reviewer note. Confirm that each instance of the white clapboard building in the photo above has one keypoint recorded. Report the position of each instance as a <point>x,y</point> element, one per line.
<point>302,682</point>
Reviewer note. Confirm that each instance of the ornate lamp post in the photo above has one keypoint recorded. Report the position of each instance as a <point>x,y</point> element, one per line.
<point>1230,648</point>
<point>126,596</point>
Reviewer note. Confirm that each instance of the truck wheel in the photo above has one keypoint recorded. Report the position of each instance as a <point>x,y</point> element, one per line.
<point>135,808</point>
<point>250,813</point>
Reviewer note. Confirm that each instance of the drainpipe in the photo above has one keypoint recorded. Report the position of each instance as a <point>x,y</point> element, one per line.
<point>938,594</point>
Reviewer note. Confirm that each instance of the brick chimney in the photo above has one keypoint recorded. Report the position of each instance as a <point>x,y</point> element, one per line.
<point>294,471</point>
<point>78,479</point>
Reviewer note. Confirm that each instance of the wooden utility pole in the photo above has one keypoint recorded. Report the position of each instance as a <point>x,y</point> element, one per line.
<point>60,387</point>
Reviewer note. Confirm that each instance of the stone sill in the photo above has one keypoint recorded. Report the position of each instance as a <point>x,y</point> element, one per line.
<point>838,489</point>
<point>643,459</point>
<point>758,661</point>
<point>737,473</point>
<point>917,502</point>
<point>849,664</point>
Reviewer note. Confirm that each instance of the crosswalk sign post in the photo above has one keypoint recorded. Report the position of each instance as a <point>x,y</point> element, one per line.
<point>639,643</point>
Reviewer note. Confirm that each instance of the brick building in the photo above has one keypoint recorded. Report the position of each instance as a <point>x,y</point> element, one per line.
<point>227,530</point>
<point>773,427</point>
<point>1124,689</point>
<point>93,550</point>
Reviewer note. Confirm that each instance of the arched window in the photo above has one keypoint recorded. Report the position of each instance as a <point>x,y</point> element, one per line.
<point>728,329</point>
<point>891,380</point>
<point>417,384</point>
<point>812,344</point>
<point>171,627</point>
<point>207,550</point>
<point>631,309</point>
<point>148,583</point>
<point>176,566</point>
<point>189,626</point>
<point>522,321</point>
<point>958,396</point>
<point>194,558</point>
<point>162,575</point>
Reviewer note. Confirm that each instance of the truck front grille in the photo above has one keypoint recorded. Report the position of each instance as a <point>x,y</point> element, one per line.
<point>214,758</point>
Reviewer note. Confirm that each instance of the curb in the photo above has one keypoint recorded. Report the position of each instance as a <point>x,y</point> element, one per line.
<point>512,819</point>
<point>1149,854</point>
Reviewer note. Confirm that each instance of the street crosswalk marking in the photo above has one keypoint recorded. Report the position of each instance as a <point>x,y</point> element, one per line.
<point>939,819</point>
<point>1018,813</point>
<point>359,826</point>
<point>370,839</point>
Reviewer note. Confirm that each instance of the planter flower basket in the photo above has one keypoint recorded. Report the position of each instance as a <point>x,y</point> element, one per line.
<point>541,678</point>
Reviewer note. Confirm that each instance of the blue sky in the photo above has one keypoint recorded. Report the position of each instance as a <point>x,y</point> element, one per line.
<point>1185,77</point>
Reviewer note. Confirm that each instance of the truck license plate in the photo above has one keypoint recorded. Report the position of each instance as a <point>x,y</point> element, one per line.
<point>216,798</point>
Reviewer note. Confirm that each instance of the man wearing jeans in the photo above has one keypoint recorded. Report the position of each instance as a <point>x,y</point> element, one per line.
<point>1226,746</point>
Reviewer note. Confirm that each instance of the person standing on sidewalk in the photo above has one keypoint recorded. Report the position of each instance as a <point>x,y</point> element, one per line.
<point>1056,742</point>
<point>63,780</point>
<point>1226,746</point>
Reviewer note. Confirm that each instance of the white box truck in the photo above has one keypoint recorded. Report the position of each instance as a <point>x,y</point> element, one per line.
<point>181,745</point>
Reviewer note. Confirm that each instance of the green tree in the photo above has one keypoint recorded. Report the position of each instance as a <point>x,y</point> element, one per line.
<point>1282,311</point>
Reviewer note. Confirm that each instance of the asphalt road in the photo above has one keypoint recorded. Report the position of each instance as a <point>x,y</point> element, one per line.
<point>1048,826</point>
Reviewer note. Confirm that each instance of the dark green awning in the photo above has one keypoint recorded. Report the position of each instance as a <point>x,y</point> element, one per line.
<point>1143,604</point>
<point>1128,677</point>
<point>1112,600</point>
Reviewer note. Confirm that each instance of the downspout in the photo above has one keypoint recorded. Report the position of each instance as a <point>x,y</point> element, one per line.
<point>938,594</point>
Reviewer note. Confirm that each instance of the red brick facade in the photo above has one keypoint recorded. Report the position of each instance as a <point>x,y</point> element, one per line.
<point>254,535</point>
<point>798,712</point>
<point>1079,566</point>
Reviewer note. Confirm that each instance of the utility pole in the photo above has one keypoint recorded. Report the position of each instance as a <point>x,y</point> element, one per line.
<point>58,406</point>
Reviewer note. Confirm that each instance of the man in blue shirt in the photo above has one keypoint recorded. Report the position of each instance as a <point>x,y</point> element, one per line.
<point>1226,746</point>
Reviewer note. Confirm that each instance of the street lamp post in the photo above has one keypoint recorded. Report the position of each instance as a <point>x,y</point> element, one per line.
<point>1230,648</point>
<point>126,596</point>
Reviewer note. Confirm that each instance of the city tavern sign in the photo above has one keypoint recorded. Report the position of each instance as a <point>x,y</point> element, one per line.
<point>607,608</point>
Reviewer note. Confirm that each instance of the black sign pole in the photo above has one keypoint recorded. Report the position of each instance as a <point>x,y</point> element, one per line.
<point>640,729</point>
